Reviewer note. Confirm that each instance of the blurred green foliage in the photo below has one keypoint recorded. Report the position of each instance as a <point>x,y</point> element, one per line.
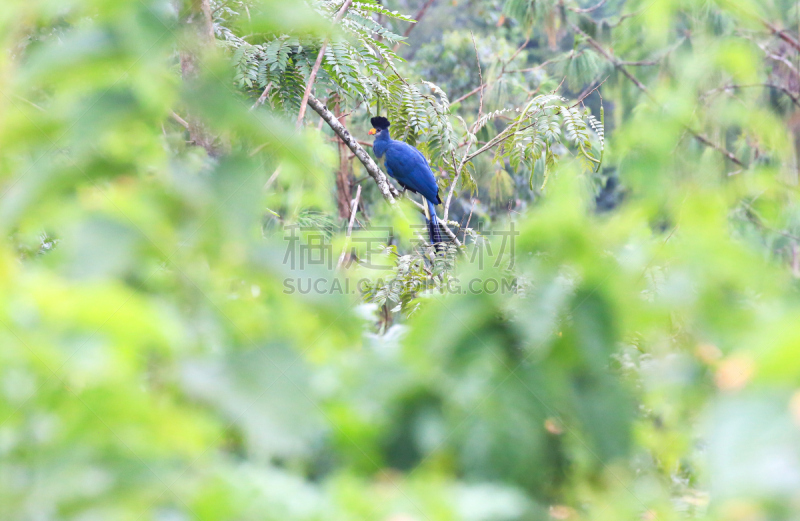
<point>642,364</point>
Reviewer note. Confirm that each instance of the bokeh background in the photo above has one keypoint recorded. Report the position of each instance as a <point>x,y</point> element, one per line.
<point>646,364</point>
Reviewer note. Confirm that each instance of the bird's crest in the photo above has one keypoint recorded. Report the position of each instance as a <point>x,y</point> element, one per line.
<point>380,123</point>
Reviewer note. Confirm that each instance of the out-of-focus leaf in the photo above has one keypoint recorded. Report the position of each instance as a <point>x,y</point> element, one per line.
<point>265,392</point>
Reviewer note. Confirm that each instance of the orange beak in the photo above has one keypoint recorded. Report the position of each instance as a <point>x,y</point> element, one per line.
<point>372,132</point>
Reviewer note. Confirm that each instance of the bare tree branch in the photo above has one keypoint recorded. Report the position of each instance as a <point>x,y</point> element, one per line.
<point>261,99</point>
<point>349,228</point>
<point>372,168</point>
<point>588,9</point>
<point>471,93</point>
<point>588,92</point>
<point>480,88</point>
<point>725,152</point>
<point>614,61</point>
<point>782,34</point>
<point>182,122</point>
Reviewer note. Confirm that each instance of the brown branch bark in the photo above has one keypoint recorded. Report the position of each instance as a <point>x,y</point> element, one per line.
<point>261,99</point>
<point>470,93</point>
<point>372,168</point>
<point>782,34</point>
<point>613,60</point>
<point>707,142</point>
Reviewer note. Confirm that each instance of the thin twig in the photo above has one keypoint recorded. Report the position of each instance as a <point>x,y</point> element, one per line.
<point>585,94</point>
<point>612,25</point>
<point>588,9</point>
<point>656,61</point>
<point>349,228</point>
<point>507,132</point>
<point>499,138</point>
<point>480,88</point>
<point>453,186</point>
<point>182,122</point>
<point>649,63</point>
<point>470,93</point>
<point>313,76</point>
<point>753,216</point>
<point>272,178</point>
<point>614,61</point>
<point>261,99</point>
<point>725,152</point>
<point>516,53</point>
<point>466,227</point>
<point>458,171</point>
<point>418,19</point>
<point>541,65</point>
<point>29,102</point>
<point>771,55</point>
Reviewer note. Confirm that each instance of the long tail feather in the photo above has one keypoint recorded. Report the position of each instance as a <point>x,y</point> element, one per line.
<point>434,232</point>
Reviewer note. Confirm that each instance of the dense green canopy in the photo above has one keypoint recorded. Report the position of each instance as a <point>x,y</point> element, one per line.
<point>195,324</point>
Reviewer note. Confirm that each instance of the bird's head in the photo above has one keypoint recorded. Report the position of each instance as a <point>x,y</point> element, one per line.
<point>379,124</point>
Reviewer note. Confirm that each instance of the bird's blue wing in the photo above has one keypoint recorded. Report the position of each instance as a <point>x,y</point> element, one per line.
<point>410,168</point>
<point>420,155</point>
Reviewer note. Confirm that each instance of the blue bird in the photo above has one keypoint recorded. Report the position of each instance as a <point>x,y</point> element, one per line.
<point>410,168</point>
